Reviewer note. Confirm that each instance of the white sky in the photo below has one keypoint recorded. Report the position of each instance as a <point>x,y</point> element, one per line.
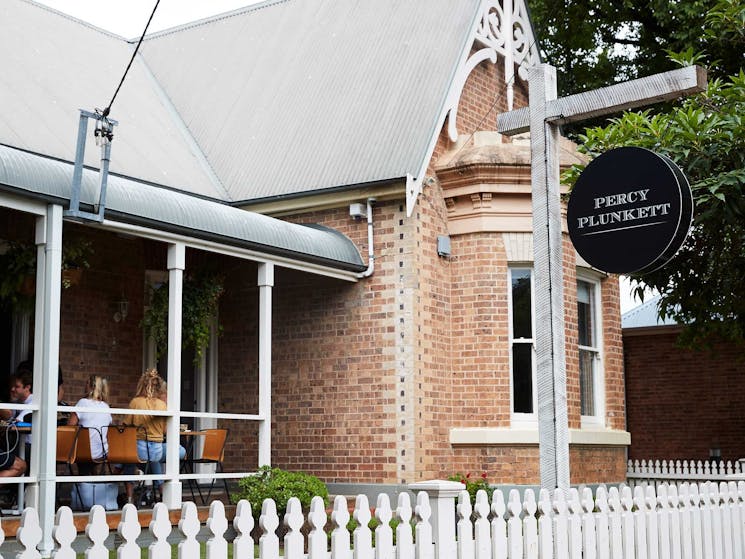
<point>128,17</point>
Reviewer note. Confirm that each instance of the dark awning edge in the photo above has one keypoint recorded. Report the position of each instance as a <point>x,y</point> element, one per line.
<point>132,202</point>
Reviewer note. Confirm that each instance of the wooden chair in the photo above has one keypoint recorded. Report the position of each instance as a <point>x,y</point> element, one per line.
<point>213,452</point>
<point>67,436</point>
<point>86,463</point>
<point>123,446</point>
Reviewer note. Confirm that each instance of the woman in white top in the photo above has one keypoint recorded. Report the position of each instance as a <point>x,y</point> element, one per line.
<point>97,394</point>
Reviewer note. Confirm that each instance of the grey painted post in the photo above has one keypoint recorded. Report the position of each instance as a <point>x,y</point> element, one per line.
<point>553,425</point>
<point>442,495</point>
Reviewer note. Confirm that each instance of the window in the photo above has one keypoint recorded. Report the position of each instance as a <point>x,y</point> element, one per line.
<point>589,348</point>
<point>521,340</point>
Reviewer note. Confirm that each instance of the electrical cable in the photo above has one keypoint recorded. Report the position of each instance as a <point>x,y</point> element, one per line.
<point>107,110</point>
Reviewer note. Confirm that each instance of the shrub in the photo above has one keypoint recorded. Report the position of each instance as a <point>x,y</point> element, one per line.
<point>474,484</point>
<point>279,485</point>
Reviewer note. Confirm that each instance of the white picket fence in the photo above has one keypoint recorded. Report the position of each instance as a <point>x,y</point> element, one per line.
<point>656,472</point>
<point>696,521</point>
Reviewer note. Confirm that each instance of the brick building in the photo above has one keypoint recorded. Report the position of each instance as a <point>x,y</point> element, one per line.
<point>237,132</point>
<point>697,416</point>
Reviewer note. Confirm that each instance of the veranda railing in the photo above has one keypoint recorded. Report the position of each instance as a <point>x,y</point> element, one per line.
<point>695,520</point>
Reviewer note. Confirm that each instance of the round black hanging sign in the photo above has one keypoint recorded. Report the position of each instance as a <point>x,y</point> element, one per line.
<point>630,211</point>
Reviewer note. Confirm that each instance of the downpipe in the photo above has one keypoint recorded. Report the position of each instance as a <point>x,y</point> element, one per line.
<point>370,252</point>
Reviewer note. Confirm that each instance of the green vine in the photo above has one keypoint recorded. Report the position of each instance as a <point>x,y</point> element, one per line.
<point>18,263</point>
<point>201,298</point>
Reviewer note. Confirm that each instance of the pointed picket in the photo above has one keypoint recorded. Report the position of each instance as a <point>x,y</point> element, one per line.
<point>340,542</point>
<point>160,529</point>
<point>574,507</point>
<point>530,525</point>
<point>97,531</point>
<point>383,532</point>
<point>686,533</point>
<point>362,536</point>
<point>650,512</point>
<point>589,534</point>
<point>627,523</point>
<point>498,526</point>
<point>423,547</point>
<point>404,535</point>
<point>129,530</point>
<point>294,521</point>
<point>716,519</point>
<point>640,524</point>
<point>560,525</point>
<point>616,523</point>
<point>189,526</point>
<point>464,528</point>
<point>545,526</point>
<point>317,540</point>
<point>602,523</point>
<point>482,541</point>
<point>64,533</point>
<point>217,524</point>
<point>269,522</point>
<point>243,523</point>
<point>737,549</point>
<point>694,500</point>
<point>29,534</point>
<point>514,525</point>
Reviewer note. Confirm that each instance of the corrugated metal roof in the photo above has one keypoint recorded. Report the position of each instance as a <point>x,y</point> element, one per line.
<point>52,65</point>
<point>135,202</point>
<point>299,95</point>
<point>645,315</point>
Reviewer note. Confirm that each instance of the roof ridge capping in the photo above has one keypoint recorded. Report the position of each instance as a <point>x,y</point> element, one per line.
<point>75,20</point>
<point>204,21</point>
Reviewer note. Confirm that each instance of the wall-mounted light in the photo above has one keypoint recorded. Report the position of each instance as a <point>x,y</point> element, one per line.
<point>122,309</point>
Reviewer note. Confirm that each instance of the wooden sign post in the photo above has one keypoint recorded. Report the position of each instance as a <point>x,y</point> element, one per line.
<point>542,118</point>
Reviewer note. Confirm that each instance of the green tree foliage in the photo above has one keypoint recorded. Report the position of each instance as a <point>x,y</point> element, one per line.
<point>593,43</point>
<point>703,285</point>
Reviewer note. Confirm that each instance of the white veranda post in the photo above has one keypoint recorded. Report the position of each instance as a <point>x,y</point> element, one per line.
<point>266,283</point>
<point>543,118</point>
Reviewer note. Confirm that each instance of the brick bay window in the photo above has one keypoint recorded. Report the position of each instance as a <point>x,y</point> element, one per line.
<point>521,343</point>
<point>590,361</point>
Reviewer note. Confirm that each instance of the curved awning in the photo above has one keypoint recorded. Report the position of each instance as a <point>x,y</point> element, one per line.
<point>156,207</point>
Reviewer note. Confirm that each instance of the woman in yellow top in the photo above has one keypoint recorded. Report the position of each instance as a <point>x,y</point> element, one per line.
<point>151,390</point>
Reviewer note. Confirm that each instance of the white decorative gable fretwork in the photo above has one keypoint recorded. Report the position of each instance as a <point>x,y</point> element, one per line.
<point>503,29</point>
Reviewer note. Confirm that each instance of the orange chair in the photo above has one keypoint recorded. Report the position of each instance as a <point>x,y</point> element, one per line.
<point>84,459</point>
<point>123,446</point>
<point>213,452</point>
<point>67,436</point>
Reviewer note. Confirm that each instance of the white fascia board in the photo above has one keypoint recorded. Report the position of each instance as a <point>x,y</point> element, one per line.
<point>228,250</point>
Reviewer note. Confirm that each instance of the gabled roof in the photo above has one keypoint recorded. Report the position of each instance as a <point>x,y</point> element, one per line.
<point>296,95</point>
<point>276,99</point>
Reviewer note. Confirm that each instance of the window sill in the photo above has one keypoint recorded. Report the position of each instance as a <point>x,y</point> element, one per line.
<point>488,436</point>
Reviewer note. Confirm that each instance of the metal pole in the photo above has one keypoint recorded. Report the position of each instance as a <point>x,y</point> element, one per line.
<point>266,282</point>
<point>176,265</point>
<point>553,427</point>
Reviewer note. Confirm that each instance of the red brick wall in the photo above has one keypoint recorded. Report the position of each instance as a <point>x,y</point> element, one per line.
<point>682,402</point>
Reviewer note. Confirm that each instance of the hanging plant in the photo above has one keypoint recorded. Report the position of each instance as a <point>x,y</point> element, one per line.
<point>18,263</point>
<point>201,298</point>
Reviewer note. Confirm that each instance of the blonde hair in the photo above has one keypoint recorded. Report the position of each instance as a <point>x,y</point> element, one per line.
<point>98,388</point>
<point>151,385</point>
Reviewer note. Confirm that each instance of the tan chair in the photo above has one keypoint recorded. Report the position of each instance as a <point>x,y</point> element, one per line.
<point>213,452</point>
<point>123,445</point>
<point>67,436</point>
<point>86,463</point>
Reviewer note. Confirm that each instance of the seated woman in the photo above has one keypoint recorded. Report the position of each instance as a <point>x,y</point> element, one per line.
<point>96,396</point>
<point>150,441</point>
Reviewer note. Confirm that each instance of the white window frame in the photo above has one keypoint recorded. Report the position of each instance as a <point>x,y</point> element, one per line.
<point>598,418</point>
<point>520,419</point>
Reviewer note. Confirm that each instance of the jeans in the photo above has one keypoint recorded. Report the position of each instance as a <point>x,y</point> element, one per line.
<point>155,454</point>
